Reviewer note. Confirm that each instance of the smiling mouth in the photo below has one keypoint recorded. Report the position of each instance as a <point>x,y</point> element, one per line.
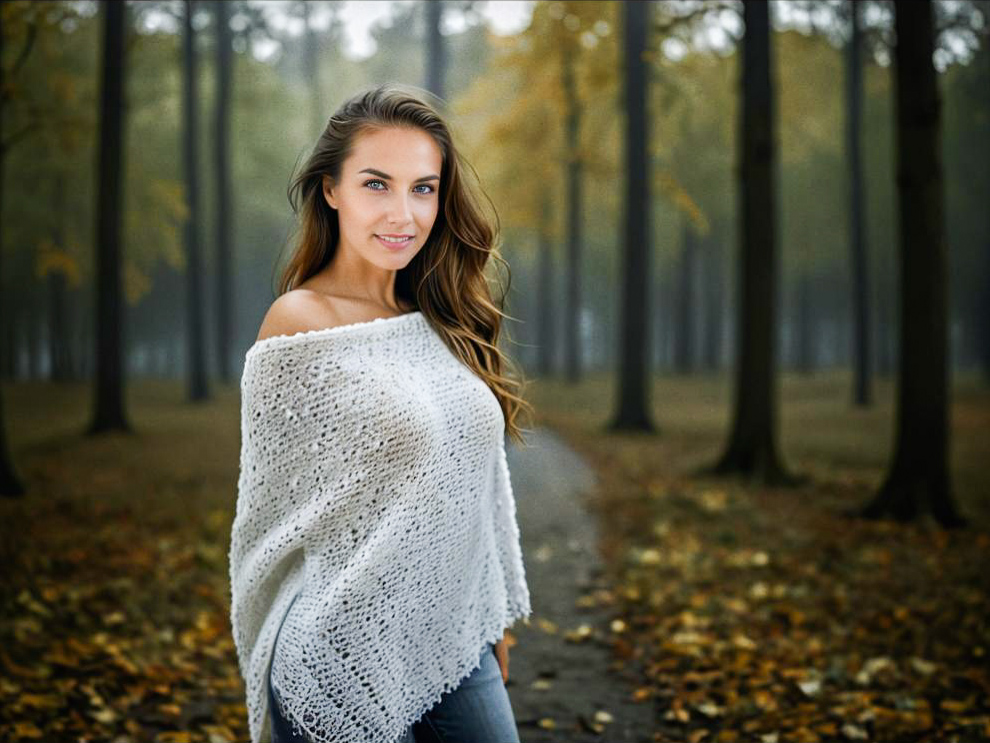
<point>394,240</point>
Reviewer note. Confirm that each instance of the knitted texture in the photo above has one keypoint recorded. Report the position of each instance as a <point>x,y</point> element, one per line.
<point>374,498</point>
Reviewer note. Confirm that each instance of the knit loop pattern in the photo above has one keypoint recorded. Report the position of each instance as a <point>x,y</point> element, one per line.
<point>374,499</point>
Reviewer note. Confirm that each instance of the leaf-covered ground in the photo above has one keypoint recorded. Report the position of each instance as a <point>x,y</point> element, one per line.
<point>746,614</point>
<point>115,601</point>
<point>759,614</point>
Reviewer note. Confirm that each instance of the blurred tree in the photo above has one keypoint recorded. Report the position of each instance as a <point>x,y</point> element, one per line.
<point>694,136</point>
<point>10,482</point>
<point>221,153</point>
<point>528,102</point>
<point>752,448</point>
<point>513,122</point>
<point>198,386</point>
<point>634,385</point>
<point>435,51</point>
<point>918,480</point>
<point>108,408</point>
<point>966,147</point>
<point>686,302</point>
<point>47,130</point>
<point>311,57</point>
<point>857,243</point>
<point>574,200</point>
<point>983,318</point>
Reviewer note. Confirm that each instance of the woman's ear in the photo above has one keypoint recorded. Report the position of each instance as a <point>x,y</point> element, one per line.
<point>328,192</point>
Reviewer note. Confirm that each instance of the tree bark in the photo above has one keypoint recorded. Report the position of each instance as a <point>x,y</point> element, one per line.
<point>983,322</point>
<point>573,212</point>
<point>58,338</point>
<point>221,148</point>
<point>197,381</point>
<point>634,383</point>
<point>804,341</point>
<point>857,204</point>
<point>435,51</point>
<point>311,65</point>
<point>712,344</point>
<point>918,480</point>
<point>752,449</point>
<point>11,484</point>
<point>546,348</point>
<point>684,333</point>
<point>109,414</point>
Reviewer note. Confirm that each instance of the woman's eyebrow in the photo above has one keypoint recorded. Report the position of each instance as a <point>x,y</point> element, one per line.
<point>387,177</point>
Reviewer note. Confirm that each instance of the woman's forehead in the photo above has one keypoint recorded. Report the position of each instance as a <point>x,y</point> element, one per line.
<point>400,152</point>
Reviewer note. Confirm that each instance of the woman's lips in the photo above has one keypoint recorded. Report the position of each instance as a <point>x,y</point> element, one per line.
<point>395,245</point>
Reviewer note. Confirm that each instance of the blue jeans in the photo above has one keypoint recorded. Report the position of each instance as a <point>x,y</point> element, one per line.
<point>477,711</point>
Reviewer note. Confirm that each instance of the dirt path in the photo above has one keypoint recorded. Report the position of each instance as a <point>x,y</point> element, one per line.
<point>559,541</point>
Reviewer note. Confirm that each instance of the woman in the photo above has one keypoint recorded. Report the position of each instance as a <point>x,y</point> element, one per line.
<point>375,559</point>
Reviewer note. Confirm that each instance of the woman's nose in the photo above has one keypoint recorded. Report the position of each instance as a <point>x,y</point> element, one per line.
<point>399,210</point>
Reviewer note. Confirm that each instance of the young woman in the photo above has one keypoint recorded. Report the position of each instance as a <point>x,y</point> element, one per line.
<point>375,559</point>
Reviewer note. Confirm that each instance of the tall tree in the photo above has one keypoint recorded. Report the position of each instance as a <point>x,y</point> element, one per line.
<point>198,388</point>
<point>634,352</point>
<point>684,340</point>
<point>573,182</point>
<point>545,345</point>
<point>714,300</point>
<point>108,409</point>
<point>918,479</point>
<point>985,295</point>
<point>435,50</point>
<point>10,481</point>
<point>805,337</point>
<point>221,151</point>
<point>857,219</point>
<point>752,447</point>
<point>58,335</point>
<point>311,65</point>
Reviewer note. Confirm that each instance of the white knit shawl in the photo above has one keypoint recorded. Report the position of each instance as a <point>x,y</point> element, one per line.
<point>374,490</point>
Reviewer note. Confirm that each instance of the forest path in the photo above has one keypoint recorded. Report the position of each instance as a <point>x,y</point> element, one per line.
<point>559,539</point>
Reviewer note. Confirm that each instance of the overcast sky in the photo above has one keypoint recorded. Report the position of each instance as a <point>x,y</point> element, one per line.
<point>503,17</point>
<point>360,16</point>
<point>506,17</point>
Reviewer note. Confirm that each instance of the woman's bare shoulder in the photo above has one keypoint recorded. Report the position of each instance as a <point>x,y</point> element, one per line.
<point>298,311</point>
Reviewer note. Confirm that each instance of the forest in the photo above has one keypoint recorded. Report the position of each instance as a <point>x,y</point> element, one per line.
<point>743,255</point>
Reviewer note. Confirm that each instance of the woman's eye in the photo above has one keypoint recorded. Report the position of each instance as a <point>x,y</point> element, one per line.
<point>376,180</point>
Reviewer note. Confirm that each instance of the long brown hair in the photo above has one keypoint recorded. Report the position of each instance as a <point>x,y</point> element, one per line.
<point>445,280</point>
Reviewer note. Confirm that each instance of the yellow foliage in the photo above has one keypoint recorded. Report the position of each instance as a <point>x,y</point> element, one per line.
<point>136,282</point>
<point>52,258</point>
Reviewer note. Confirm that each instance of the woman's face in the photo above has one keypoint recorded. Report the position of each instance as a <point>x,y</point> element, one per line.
<point>389,186</point>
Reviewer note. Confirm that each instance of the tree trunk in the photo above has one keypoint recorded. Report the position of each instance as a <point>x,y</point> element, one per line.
<point>712,343</point>
<point>684,325</point>
<point>545,346</point>
<point>983,322</point>
<point>634,358</point>
<point>311,65</point>
<point>804,361</point>
<point>573,211</point>
<point>918,480</point>
<point>221,148</point>
<point>198,387</point>
<point>857,219</point>
<point>109,414</point>
<point>58,336</point>
<point>752,448</point>
<point>435,52</point>
<point>11,484</point>
<point>886,327</point>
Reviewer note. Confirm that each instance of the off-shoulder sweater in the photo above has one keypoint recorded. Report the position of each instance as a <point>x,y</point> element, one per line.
<point>374,499</point>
